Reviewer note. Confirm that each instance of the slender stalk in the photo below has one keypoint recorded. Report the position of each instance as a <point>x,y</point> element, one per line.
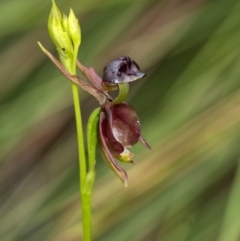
<point>81,148</point>
<point>87,216</point>
<point>85,198</point>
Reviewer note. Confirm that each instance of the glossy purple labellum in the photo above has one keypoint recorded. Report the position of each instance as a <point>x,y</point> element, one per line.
<point>122,70</point>
<point>119,129</point>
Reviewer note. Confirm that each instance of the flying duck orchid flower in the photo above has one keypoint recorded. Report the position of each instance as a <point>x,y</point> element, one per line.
<point>119,129</point>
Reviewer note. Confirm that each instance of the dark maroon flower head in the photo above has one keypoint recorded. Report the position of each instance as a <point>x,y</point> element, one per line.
<point>119,129</point>
<point>122,70</point>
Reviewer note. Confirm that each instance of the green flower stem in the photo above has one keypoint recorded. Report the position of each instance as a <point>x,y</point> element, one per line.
<point>85,197</point>
<point>86,210</point>
<point>86,202</point>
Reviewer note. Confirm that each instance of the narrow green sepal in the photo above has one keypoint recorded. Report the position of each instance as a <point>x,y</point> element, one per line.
<point>90,178</point>
<point>92,137</point>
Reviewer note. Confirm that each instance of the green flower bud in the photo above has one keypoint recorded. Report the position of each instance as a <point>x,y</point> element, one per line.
<point>60,36</point>
<point>74,29</point>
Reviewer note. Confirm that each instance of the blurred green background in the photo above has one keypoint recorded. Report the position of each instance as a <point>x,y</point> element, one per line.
<point>188,187</point>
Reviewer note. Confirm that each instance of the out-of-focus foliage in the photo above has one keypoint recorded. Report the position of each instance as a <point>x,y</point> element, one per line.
<point>188,187</point>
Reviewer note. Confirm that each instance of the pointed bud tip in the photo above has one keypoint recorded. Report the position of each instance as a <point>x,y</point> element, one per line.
<point>74,28</point>
<point>54,4</point>
<point>71,12</point>
<point>55,12</point>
